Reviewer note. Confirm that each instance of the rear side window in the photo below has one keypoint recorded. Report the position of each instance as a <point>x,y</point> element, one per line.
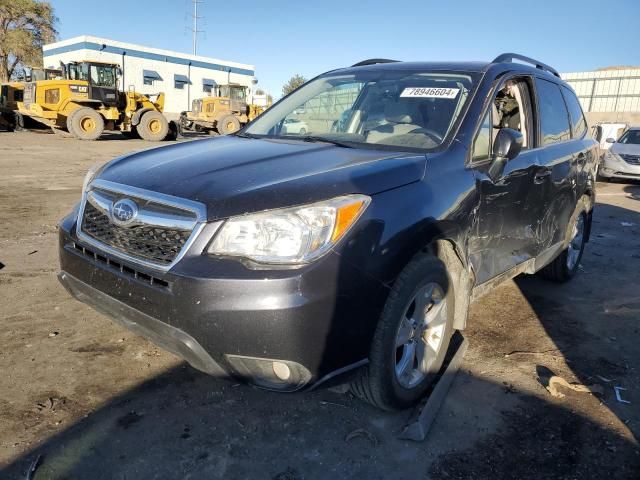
<point>578,123</point>
<point>554,119</point>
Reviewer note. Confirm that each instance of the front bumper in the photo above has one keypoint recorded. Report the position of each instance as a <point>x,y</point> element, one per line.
<point>221,316</point>
<point>615,167</point>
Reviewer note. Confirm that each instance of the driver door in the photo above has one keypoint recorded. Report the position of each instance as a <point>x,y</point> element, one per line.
<point>102,84</point>
<point>506,223</point>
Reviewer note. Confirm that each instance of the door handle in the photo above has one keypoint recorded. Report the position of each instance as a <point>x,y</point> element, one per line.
<point>541,177</point>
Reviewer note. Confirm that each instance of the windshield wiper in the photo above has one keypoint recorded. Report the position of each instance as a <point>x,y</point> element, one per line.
<point>313,138</point>
<point>245,135</point>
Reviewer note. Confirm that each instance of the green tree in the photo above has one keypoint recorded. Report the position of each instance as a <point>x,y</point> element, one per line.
<point>25,26</point>
<point>293,83</point>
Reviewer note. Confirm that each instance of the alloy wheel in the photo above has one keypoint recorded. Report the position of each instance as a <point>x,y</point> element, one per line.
<point>420,336</point>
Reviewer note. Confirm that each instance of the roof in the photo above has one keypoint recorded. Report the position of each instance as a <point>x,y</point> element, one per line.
<point>477,67</point>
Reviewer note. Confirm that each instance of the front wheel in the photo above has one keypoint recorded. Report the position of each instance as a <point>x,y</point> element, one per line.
<point>412,337</point>
<point>153,127</point>
<point>228,124</point>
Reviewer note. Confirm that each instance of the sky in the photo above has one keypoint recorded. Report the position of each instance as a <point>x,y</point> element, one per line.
<point>282,38</point>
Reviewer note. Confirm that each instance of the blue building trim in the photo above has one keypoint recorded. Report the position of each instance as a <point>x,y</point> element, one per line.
<point>147,55</point>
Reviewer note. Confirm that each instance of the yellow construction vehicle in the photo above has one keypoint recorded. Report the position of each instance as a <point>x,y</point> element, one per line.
<point>225,112</point>
<point>85,101</point>
<point>11,94</point>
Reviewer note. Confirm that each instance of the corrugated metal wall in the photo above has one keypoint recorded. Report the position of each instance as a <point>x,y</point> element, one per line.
<point>607,90</point>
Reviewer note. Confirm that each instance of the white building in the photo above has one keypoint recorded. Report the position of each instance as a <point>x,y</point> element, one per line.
<point>182,77</point>
<point>607,90</point>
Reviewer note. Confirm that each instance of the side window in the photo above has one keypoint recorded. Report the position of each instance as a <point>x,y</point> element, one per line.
<point>578,123</point>
<point>511,108</point>
<point>482,143</point>
<point>554,118</point>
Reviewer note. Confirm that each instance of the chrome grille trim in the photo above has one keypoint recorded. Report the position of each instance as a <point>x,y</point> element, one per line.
<point>149,218</point>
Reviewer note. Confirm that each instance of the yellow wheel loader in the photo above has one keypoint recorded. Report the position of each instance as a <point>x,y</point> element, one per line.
<point>85,101</point>
<point>224,113</point>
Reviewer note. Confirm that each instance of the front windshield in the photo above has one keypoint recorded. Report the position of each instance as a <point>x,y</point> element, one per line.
<point>630,137</point>
<point>392,108</point>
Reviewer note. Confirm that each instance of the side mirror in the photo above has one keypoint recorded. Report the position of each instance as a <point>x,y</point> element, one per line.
<point>508,144</point>
<point>610,140</point>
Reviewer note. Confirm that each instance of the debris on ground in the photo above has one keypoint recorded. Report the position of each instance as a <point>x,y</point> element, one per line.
<point>618,396</point>
<point>556,381</point>
<point>627,224</point>
<point>54,334</point>
<point>361,432</point>
<point>33,467</point>
<point>526,352</point>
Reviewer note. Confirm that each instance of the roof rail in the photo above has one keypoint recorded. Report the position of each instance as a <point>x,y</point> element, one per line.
<point>373,61</point>
<point>510,57</point>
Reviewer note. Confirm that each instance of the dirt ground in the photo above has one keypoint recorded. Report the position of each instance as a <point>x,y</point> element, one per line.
<point>86,399</point>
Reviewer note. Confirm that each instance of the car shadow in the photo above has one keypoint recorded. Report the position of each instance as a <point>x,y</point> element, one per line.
<point>184,424</point>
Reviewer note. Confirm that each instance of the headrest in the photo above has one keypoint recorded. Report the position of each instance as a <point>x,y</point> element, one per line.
<point>398,112</point>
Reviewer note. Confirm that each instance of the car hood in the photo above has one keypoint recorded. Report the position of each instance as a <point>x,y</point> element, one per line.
<point>630,149</point>
<point>233,175</point>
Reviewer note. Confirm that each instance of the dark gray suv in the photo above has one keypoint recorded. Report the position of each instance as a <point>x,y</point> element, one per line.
<point>350,249</point>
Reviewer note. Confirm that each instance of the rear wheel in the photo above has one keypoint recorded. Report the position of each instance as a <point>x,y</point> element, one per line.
<point>85,124</point>
<point>565,266</point>
<point>228,124</point>
<point>411,338</point>
<point>153,127</point>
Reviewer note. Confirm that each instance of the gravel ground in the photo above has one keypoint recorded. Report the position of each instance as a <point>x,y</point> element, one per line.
<point>92,400</point>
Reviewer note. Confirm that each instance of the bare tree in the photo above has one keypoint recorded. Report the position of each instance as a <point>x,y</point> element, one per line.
<point>293,83</point>
<point>25,26</point>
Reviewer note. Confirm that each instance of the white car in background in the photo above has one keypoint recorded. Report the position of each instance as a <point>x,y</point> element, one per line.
<point>293,126</point>
<point>622,159</point>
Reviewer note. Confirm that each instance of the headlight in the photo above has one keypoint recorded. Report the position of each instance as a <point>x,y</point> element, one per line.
<point>289,235</point>
<point>91,174</point>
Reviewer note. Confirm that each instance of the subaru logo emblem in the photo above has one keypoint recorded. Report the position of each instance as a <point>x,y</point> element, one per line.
<point>124,211</point>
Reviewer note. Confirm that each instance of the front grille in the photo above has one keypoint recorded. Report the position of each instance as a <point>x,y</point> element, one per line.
<point>151,243</point>
<point>630,159</point>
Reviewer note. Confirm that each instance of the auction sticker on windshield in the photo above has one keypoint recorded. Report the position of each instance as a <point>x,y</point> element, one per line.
<point>430,92</point>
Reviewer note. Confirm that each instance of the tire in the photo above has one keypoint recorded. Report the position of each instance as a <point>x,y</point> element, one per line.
<point>18,122</point>
<point>173,132</point>
<point>85,123</point>
<point>384,382</point>
<point>153,127</point>
<point>9,121</point>
<point>303,131</point>
<point>564,267</point>
<point>228,124</point>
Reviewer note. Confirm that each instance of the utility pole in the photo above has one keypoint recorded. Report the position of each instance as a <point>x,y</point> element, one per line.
<point>194,29</point>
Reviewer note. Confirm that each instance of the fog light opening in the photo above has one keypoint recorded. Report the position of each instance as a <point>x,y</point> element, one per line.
<point>270,373</point>
<point>281,371</point>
